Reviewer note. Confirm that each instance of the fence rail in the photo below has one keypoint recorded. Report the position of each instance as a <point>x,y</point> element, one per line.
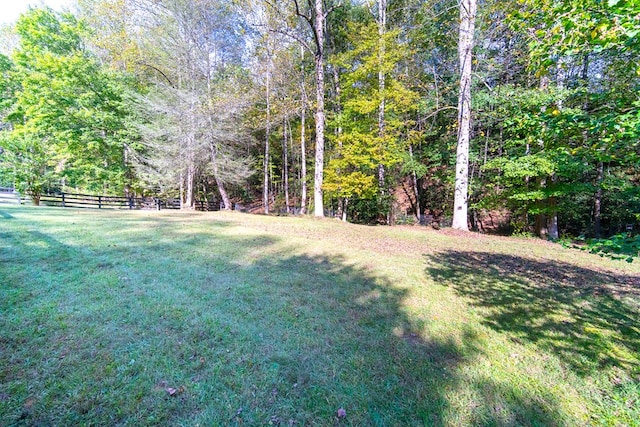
<point>9,195</point>
<point>77,200</point>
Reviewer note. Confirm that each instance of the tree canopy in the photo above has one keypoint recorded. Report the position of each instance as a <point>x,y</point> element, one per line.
<point>213,99</point>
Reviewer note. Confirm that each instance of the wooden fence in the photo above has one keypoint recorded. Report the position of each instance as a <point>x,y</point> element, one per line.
<point>9,195</point>
<point>76,200</point>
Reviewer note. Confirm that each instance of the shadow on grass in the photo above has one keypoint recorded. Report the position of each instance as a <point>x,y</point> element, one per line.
<point>586,317</point>
<point>254,335</point>
<point>5,215</point>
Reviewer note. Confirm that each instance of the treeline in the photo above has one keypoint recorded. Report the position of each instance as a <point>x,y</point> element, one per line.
<point>348,107</point>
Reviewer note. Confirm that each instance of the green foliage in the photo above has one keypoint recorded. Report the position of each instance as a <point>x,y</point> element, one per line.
<point>7,84</point>
<point>26,162</point>
<point>622,246</point>
<point>42,30</point>
<point>574,27</point>
<point>523,177</point>
<point>68,113</point>
<point>361,147</point>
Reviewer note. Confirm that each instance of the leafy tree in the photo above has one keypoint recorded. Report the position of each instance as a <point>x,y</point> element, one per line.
<point>361,148</point>
<point>193,51</point>
<point>594,54</point>
<point>68,116</point>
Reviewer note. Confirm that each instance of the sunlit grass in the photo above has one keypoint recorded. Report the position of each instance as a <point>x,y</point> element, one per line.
<point>169,318</point>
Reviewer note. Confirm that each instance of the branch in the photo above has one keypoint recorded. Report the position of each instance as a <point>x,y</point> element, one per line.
<point>484,82</point>
<point>328,12</point>
<point>439,110</point>
<point>311,24</point>
<point>302,15</point>
<point>158,70</point>
<point>288,33</point>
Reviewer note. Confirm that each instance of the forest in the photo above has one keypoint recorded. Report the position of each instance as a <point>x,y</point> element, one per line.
<point>512,116</point>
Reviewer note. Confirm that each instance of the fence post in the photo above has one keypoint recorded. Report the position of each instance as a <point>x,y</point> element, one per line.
<point>130,202</point>
<point>157,203</point>
<point>99,202</point>
<point>63,200</point>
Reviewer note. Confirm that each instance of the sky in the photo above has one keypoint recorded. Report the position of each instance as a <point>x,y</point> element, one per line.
<point>11,9</point>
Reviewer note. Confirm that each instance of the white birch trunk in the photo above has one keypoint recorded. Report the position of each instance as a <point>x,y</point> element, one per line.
<point>303,144</point>
<point>285,161</point>
<point>190,187</point>
<point>465,48</point>
<point>382,29</point>
<point>318,207</point>
<point>265,188</point>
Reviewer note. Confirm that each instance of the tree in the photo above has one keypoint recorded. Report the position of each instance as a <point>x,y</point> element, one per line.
<point>591,55</point>
<point>314,17</point>
<point>68,119</point>
<point>465,48</point>
<point>196,53</point>
<point>316,20</point>
<point>363,147</point>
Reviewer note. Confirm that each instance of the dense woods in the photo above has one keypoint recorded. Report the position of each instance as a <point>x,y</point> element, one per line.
<point>525,112</point>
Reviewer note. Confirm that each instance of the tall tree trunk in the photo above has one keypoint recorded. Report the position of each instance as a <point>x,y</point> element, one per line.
<point>542,221</point>
<point>382,29</point>
<point>552,220</point>
<point>316,23</point>
<point>226,202</point>
<point>552,203</point>
<point>303,143</point>
<point>265,188</point>
<point>597,200</point>
<point>344,203</point>
<point>597,204</point>
<point>318,27</point>
<point>285,161</point>
<point>465,48</point>
<point>181,189</point>
<point>190,187</point>
<point>303,158</point>
<point>541,226</point>
<point>414,184</point>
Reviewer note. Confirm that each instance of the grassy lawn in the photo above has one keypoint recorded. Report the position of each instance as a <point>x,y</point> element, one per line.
<point>164,318</point>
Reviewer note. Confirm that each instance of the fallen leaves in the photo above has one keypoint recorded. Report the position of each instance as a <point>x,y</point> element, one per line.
<point>171,391</point>
<point>174,391</point>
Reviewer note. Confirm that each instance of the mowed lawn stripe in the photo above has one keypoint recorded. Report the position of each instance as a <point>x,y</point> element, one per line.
<point>173,318</point>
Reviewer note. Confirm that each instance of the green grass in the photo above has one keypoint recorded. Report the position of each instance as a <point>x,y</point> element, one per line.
<point>282,321</point>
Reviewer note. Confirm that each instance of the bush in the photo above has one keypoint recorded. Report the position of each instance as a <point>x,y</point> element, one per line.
<point>620,246</point>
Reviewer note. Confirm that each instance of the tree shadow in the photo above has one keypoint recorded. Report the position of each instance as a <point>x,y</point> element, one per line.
<point>256,333</point>
<point>5,215</point>
<point>587,317</point>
